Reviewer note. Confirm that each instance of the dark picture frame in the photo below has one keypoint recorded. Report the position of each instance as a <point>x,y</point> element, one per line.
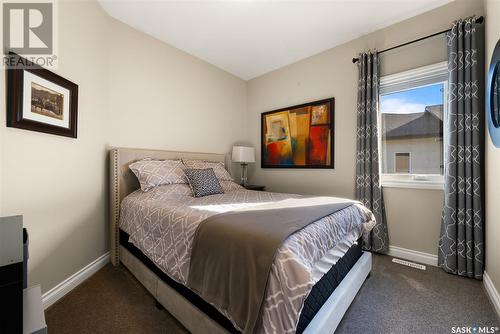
<point>16,117</point>
<point>267,162</point>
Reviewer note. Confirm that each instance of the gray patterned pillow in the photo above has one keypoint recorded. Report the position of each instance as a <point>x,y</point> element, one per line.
<point>203,182</point>
<point>153,173</point>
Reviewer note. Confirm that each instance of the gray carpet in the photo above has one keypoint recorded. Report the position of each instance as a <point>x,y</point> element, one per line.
<point>400,299</point>
<point>395,299</point>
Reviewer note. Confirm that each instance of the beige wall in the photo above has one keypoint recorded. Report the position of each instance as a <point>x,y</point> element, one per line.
<point>162,98</point>
<point>414,217</point>
<point>133,91</point>
<point>58,183</point>
<point>331,73</point>
<point>492,160</point>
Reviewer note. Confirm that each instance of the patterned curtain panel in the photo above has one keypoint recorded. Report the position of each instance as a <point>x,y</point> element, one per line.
<point>461,244</point>
<point>368,190</point>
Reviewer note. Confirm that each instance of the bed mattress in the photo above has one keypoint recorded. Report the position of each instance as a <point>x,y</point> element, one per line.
<point>161,224</point>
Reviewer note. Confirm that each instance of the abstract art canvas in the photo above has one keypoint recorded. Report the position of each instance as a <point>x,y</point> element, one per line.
<point>299,136</point>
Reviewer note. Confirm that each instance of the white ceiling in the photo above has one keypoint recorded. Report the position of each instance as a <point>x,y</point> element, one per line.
<point>252,37</point>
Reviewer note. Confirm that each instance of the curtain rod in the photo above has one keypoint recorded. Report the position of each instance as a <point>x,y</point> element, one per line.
<point>479,20</point>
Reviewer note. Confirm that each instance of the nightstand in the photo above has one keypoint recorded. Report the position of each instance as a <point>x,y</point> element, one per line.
<point>254,187</point>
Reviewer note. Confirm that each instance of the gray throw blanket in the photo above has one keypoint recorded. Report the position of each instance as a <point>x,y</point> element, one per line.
<point>233,252</point>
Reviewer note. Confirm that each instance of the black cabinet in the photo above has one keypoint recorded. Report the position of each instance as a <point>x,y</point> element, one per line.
<point>11,298</point>
<point>11,275</point>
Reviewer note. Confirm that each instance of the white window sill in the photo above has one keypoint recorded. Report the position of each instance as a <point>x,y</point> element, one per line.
<point>435,182</point>
<point>414,184</point>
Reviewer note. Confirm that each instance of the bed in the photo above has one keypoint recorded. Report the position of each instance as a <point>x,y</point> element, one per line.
<point>310,284</point>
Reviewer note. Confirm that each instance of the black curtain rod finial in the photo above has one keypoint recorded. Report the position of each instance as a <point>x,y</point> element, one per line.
<point>355,60</point>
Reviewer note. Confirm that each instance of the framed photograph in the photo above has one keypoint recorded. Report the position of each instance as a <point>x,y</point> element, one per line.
<point>299,137</point>
<point>40,100</point>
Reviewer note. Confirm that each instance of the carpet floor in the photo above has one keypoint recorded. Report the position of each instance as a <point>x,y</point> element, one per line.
<point>395,299</point>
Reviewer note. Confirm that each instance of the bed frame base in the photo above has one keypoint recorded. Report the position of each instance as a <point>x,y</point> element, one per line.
<point>197,322</point>
<point>331,313</point>
<point>192,318</point>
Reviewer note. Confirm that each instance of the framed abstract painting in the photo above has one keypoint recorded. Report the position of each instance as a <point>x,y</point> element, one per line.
<point>301,136</point>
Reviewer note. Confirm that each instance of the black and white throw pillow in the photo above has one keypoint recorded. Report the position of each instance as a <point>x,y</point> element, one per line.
<point>203,182</point>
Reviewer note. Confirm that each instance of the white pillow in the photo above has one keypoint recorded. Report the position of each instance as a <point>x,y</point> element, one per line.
<point>153,173</point>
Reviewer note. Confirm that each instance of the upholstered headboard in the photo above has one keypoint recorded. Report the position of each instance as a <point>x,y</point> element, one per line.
<point>123,182</point>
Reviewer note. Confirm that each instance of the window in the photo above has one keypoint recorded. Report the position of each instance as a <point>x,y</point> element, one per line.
<point>402,162</point>
<point>411,114</point>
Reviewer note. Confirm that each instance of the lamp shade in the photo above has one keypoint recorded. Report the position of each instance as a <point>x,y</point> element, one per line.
<point>243,154</point>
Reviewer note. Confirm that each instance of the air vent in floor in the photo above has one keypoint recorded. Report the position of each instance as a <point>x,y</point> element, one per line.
<point>409,264</point>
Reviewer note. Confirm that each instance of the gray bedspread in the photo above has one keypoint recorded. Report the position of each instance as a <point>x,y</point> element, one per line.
<point>233,252</point>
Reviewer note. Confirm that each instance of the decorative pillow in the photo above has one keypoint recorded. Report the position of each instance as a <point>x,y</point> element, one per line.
<point>203,182</point>
<point>218,167</point>
<point>153,173</point>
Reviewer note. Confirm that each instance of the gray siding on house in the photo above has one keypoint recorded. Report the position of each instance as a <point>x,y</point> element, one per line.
<point>419,134</point>
<point>425,154</point>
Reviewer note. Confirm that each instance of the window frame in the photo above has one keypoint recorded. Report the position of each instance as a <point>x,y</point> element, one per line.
<point>406,80</point>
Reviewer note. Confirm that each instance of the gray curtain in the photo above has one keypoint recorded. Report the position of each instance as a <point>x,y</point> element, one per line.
<point>368,190</point>
<point>461,243</point>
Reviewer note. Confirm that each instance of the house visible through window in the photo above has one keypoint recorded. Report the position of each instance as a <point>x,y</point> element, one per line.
<point>411,114</point>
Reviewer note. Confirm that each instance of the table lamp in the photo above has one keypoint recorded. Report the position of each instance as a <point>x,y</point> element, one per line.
<point>244,155</point>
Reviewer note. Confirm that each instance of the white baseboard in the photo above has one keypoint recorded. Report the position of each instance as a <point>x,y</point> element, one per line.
<point>57,292</point>
<point>413,255</point>
<point>492,292</point>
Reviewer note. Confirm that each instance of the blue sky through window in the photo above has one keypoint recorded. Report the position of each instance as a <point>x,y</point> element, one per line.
<point>412,100</point>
